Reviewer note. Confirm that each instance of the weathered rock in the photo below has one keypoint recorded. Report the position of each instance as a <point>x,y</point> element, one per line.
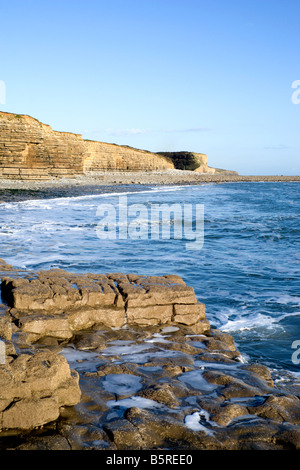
<point>280,408</point>
<point>200,395</point>
<point>37,326</point>
<point>238,389</point>
<point>86,318</point>
<point>224,338</point>
<point>238,384</point>
<point>4,266</point>
<point>227,412</point>
<point>29,413</point>
<point>217,345</point>
<point>88,341</point>
<point>34,387</point>
<point>166,431</point>
<point>201,327</point>
<point>161,394</point>
<point>55,442</point>
<point>151,315</point>
<point>182,347</point>
<point>261,371</point>
<point>185,362</point>
<point>80,436</point>
<point>288,438</point>
<point>250,432</point>
<point>125,435</point>
<point>226,357</point>
<point>57,304</point>
<point>116,369</point>
<point>191,315</point>
<point>5,325</point>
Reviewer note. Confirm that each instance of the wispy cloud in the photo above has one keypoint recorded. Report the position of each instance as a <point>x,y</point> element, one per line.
<point>196,129</point>
<point>277,147</point>
<point>189,129</point>
<point>122,132</point>
<point>135,131</point>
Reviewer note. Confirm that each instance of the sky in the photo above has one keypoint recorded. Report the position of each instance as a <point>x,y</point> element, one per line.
<point>207,76</point>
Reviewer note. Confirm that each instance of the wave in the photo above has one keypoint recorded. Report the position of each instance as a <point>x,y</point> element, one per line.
<point>38,202</point>
<point>287,299</point>
<point>254,321</point>
<point>249,285</point>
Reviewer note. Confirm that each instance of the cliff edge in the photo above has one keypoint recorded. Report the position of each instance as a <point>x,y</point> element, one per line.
<point>31,150</point>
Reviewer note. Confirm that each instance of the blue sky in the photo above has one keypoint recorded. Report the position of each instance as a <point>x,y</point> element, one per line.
<point>206,76</point>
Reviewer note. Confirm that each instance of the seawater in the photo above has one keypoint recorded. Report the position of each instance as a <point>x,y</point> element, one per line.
<point>247,272</point>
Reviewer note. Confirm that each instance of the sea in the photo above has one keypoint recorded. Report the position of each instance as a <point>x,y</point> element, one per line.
<point>243,261</point>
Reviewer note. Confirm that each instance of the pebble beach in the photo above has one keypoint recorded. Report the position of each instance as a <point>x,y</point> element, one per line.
<point>165,177</point>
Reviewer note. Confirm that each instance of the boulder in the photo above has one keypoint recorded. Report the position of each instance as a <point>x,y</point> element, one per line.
<point>57,304</point>
<point>33,388</point>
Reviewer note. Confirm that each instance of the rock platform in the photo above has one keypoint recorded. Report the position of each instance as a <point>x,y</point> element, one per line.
<point>127,362</point>
<point>57,303</point>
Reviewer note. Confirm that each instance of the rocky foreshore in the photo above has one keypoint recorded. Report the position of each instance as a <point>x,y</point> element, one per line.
<point>119,181</point>
<point>154,177</point>
<point>128,362</point>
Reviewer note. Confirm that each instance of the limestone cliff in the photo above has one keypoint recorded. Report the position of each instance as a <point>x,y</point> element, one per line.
<point>30,149</point>
<point>193,162</point>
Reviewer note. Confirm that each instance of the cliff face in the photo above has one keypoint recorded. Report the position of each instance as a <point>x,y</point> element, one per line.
<point>189,161</point>
<point>30,149</point>
<point>193,162</point>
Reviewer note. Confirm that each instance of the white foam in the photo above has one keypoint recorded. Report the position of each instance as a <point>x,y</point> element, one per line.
<point>43,203</point>
<point>157,337</point>
<point>141,358</point>
<point>287,299</point>
<point>193,422</point>
<point>169,329</point>
<point>215,365</point>
<point>194,379</point>
<point>122,384</point>
<point>138,402</point>
<point>250,322</point>
<point>124,350</point>
<point>287,315</point>
<point>80,360</point>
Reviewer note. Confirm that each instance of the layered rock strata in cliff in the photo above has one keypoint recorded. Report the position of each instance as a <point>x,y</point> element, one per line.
<point>192,161</point>
<point>30,149</point>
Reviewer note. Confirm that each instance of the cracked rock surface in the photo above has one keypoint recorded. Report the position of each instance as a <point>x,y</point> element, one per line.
<point>126,362</point>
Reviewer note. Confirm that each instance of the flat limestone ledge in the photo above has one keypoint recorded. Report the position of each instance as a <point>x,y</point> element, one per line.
<point>57,303</point>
